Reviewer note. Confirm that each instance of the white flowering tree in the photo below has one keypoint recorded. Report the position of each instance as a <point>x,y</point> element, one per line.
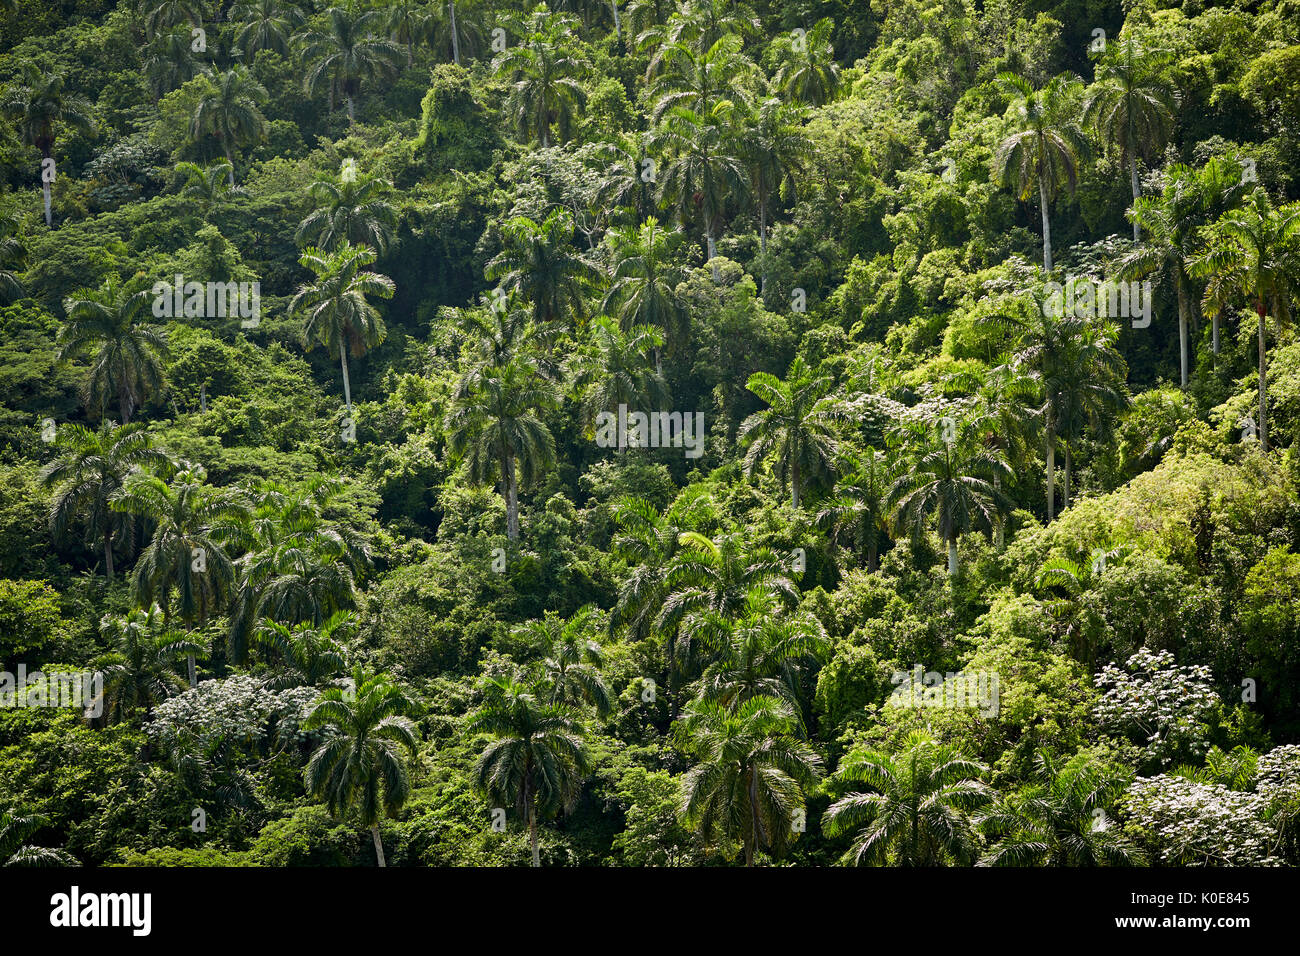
<point>1162,707</point>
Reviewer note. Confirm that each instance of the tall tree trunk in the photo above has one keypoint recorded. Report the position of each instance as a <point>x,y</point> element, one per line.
<point>1051,472</point>
<point>751,844</point>
<point>191,670</point>
<point>1137,189</point>
<point>1214,333</point>
<point>108,553</point>
<point>532,831</point>
<point>455,40</point>
<point>1263,377</point>
<point>379,845</point>
<point>230,173</point>
<point>352,110</point>
<point>794,485</point>
<point>618,22</point>
<point>1065,485</point>
<point>1047,226</point>
<point>711,248</point>
<point>49,214</point>
<point>952,557</point>
<point>512,497</point>
<point>873,551</point>
<point>347,382</point>
<point>762,242</point>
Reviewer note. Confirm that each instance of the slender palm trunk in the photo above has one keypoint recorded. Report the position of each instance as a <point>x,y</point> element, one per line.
<point>1051,472</point>
<point>532,830</point>
<point>1047,225</point>
<point>751,844</point>
<point>1137,190</point>
<point>762,241</point>
<point>45,192</point>
<point>1214,333</point>
<point>794,485</point>
<point>1263,377</point>
<point>230,173</point>
<point>952,557</point>
<point>873,552</point>
<point>347,382</point>
<point>455,40</point>
<point>618,22</point>
<point>108,553</point>
<point>1065,485</point>
<point>352,110</point>
<point>512,496</point>
<point>711,249</point>
<point>379,845</point>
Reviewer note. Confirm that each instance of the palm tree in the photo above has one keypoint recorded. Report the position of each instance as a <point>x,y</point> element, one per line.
<point>1046,147</point>
<point>347,53</point>
<point>38,106</point>
<point>546,89</point>
<point>161,15</point>
<point>1131,105</point>
<point>572,661</point>
<point>11,254</point>
<point>353,209</point>
<point>1059,820</point>
<point>643,287</point>
<point>265,25</point>
<point>231,114</point>
<point>126,358</point>
<point>410,22</point>
<point>620,373</point>
<point>170,61</point>
<point>90,469</point>
<point>359,765</point>
<point>539,263</point>
<point>299,566</point>
<point>718,577</point>
<point>537,759</point>
<point>209,186</point>
<point>795,427</point>
<point>494,427</point>
<point>186,555</point>
<point>1249,256</point>
<point>860,506</point>
<point>775,147</point>
<point>698,79</point>
<point>951,483</point>
<point>337,313</point>
<point>704,170</point>
<point>915,812</point>
<point>760,651</point>
<point>458,33</point>
<point>305,654</point>
<point>141,670</point>
<point>15,829</point>
<point>1080,376</point>
<point>809,73</point>
<point>747,782</point>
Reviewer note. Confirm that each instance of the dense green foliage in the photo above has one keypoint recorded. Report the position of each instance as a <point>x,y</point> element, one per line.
<point>650,433</point>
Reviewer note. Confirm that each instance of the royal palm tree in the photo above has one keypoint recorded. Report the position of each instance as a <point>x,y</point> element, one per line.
<point>546,90</point>
<point>494,426</point>
<point>336,307</point>
<point>349,51</point>
<point>11,255</point>
<point>1059,820</point>
<point>775,148</point>
<point>265,25</point>
<point>572,659</point>
<point>915,812</point>
<point>860,508</point>
<point>170,61</point>
<point>305,654</point>
<point>1046,147</point>
<point>38,106</point>
<point>620,373</point>
<point>299,566</point>
<point>1080,376</point>
<point>353,209</point>
<point>539,263</point>
<point>457,31</point>
<point>1131,105</point>
<point>809,73</point>
<point>126,357</point>
<point>643,287</point>
<point>795,428</point>
<point>231,113</point>
<point>704,169</point>
<point>718,577</point>
<point>142,670</point>
<point>537,758</point>
<point>160,15</point>
<point>750,770</point>
<point>15,830</point>
<point>951,484</point>
<point>1249,255</point>
<point>90,469</point>
<point>698,80</point>
<point>193,524</point>
<point>359,767</point>
<point>410,22</point>
<point>209,186</point>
